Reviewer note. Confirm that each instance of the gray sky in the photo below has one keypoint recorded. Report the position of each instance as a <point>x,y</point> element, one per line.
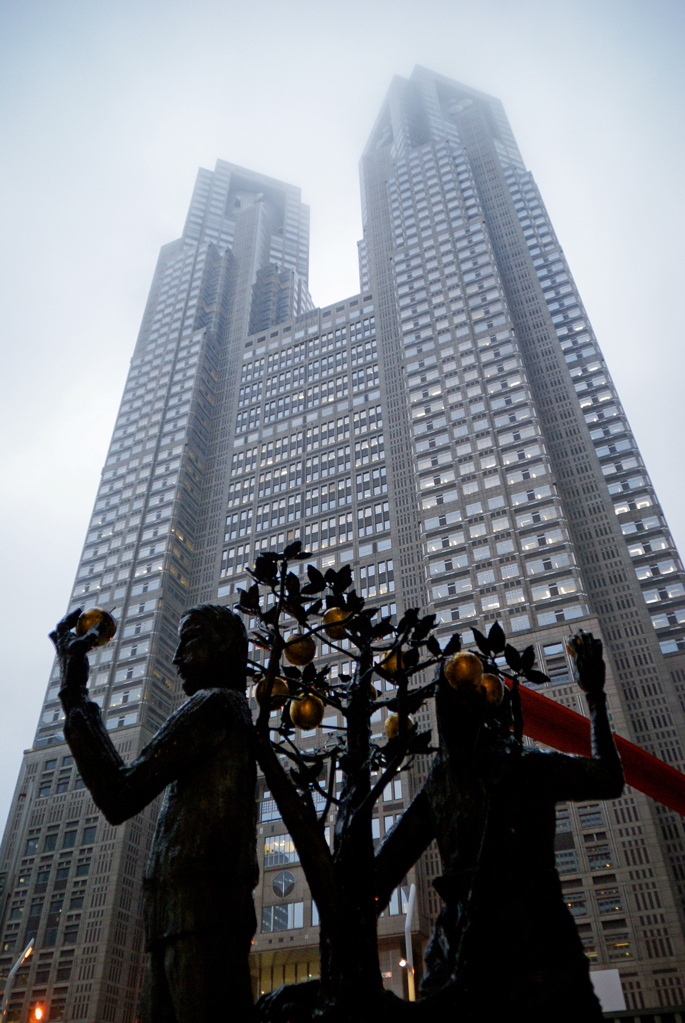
<point>108,109</point>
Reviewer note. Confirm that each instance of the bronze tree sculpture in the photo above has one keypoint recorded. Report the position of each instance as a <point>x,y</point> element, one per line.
<point>341,878</point>
<point>348,887</point>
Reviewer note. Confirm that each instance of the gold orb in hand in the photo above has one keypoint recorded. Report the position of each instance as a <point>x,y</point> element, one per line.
<point>97,616</point>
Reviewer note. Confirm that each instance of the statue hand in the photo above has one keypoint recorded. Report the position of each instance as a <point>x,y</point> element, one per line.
<point>71,652</point>
<point>589,669</point>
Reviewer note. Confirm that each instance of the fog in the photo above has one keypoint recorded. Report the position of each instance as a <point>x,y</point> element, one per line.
<point>108,109</point>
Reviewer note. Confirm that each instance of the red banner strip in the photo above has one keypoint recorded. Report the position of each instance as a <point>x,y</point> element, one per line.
<point>550,722</point>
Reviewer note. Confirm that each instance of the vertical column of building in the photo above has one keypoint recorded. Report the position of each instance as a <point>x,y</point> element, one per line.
<point>650,545</point>
<point>145,550</point>
<point>657,565</point>
<point>378,253</point>
<point>269,270</point>
<point>378,241</point>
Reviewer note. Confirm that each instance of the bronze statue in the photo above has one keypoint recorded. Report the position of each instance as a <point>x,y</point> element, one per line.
<point>505,945</point>
<point>199,912</point>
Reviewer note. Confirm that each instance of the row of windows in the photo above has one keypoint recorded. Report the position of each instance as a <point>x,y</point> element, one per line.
<point>314,396</point>
<point>489,601</point>
<point>290,915</point>
<point>286,477</point>
<point>370,519</point>
<point>316,369</point>
<point>314,347</point>
<point>376,580</point>
<point>461,559</point>
<point>536,516</point>
<point>323,498</point>
<point>68,840</point>
<point>142,382</point>
<point>64,779</point>
<point>43,876</point>
<point>320,435</point>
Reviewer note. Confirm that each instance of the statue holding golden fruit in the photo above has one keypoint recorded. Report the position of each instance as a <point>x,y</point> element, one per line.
<point>488,799</point>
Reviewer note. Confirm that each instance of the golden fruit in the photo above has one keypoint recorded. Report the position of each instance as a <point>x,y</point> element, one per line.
<point>392,725</point>
<point>300,651</point>
<point>279,692</point>
<point>331,620</point>
<point>464,669</point>
<point>492,688</point>
<point>307,712</point>
<point>97,616</point>
<point>393,662</point>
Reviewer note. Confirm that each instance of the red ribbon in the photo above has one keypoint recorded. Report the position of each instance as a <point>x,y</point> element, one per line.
<point>550,722</point>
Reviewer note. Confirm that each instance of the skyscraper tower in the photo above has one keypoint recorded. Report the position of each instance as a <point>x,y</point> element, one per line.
<point>452,432</point>
<point>548,520</point>
<point>74,882</point>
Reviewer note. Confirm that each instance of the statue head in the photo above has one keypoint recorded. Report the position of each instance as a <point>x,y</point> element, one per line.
<point>466,719</point>
<point>212,649</point>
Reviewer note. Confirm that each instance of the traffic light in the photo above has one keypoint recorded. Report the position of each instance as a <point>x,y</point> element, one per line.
<point>37,1013</point>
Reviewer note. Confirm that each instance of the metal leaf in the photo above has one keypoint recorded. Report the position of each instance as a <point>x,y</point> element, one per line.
<point>528,658</point>
<point>343,579</point>
<point>433,646</point>
<point>512,657</point>
<point>292,550</point>
<point>537,677</point>
<point>483,642</point>
<point>292,584</point>
<point>316,583</point>
<point>496,638</point>
<point>453,647</point>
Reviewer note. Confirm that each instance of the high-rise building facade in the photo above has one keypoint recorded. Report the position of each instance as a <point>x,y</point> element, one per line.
<point>453,433</point>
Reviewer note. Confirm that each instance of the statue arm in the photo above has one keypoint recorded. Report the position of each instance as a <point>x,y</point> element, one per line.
<point>604,749</point>
<point>577,778</point>
<point>599,777</point>
<point>402,847</point>
<point>121,790</point>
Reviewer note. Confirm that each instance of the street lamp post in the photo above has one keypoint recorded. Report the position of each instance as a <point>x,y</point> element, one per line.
<point>10,978</point>
<point>409,950</point>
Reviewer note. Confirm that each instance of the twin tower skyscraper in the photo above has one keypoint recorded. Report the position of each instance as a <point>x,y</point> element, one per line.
<point>452,432</point>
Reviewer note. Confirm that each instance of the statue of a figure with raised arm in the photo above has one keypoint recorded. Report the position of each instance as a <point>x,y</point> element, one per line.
<point>505,945</point>
<point>199,912</point>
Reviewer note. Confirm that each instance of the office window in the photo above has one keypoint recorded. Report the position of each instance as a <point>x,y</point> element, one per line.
<point>285,917</point>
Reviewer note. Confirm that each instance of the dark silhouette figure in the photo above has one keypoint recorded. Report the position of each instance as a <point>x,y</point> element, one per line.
<point>505,945</point>
<point>199,912</point>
